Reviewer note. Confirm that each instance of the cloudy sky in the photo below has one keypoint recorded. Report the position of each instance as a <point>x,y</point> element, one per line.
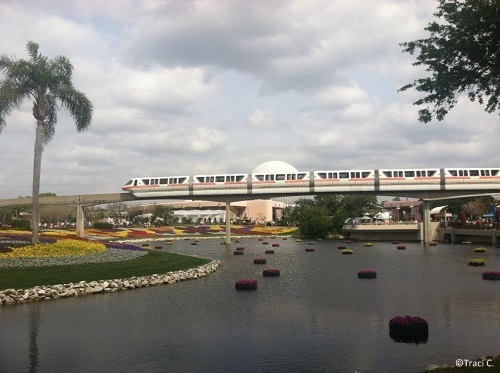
<point>185,87</point>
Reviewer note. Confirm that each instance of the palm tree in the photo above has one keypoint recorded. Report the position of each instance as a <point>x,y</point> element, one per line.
<point>48,83</point>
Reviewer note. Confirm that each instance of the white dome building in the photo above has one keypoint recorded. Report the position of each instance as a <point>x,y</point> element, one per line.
<point>275,167</point>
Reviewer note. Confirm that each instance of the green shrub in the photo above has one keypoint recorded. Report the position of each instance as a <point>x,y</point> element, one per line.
<point>22,224</point>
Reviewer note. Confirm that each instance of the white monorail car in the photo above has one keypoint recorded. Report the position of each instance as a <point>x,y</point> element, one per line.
<point>158,186</point>
<point>414,179</point>
<point>268,183</point>
<point>344,181</point>
<point>220,184</point>
<point>472,178</point>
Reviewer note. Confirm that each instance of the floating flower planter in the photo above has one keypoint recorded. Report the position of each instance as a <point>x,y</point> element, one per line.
<point>261,239</point>
<point>311,243</point>
<point>401,247</point>
<point>238,252</point>
<point>271,272</point>
<point>368,244</point>
<point>158,247</point>
<point>169,242</point>
<point>433,244</point>
<point>466,242</point>
<point>240,248</point>
<point>309,249</point>
<point>259,261</point>
<point>236,241</point>
<point>145,244</point>
<point>347,252</point>
<point>341,247</point>
<point>409,329</point>
<point>298,240</point>
<point>395,242</point>
<point>476,262</point>
<point>367,273</point>
<point>276,245</point>
<point>194,243</point>
<point>269,251</point>
<point>284,238</point>
<point>246,284</point>
<point>479,250</point>
<point>491,275</point>
<point>265,243</point>
<point>348,241</point>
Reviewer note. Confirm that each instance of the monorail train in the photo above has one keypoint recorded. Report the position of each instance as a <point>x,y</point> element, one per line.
<point>312,182</point>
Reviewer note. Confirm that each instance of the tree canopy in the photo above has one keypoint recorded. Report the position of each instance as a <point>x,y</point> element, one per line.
<point>462,55</point>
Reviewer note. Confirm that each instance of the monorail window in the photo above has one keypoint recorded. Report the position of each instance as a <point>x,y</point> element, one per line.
<point>130,182</point>
<point>322,175</point>
<point>453,172</point>
<point>430,173</point>
<point>343,175</point>
<point>239,177</point>
<point>420,173</point>
<point>164,181</point>
<point>200,179</point>
<point>355,175</point>
<point>387,173</point>
<point>219,179</point>
<point>182,179</point>
<point>145,181</point>
<point>409,173</point>
<point>365,174</point>
<point>280,177</point>
<point>494,172</point>
<point>463,173</point>
<point>474,172</point>
<point>260,177</point>
<point>301,176</point>
<point>269,177</point>
<point>172,180</point>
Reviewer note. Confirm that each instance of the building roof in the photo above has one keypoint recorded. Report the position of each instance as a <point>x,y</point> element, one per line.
<point>273,167</point>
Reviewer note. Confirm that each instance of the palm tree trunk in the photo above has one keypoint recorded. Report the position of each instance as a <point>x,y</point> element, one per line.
<point>37,167</point>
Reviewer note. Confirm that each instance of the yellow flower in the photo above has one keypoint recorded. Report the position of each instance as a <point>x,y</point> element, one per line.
<point>59,248</point>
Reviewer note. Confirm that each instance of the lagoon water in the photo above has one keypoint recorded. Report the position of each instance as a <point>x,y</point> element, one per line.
<point>316,317</point>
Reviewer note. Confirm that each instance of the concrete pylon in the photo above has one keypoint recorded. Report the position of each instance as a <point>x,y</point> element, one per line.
<point>80,219</point>
<point>228,223</point>
<point>426,210</point>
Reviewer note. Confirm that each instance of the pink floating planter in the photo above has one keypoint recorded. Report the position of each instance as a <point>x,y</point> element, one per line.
<point>261,239</point>
<point>240,248</point>
<point>309,249</point>
<point>409,329</point>
<point>158,247</point>
<point>433,244</point>
<point>265,243</point>
<point>276,245</point>
<point>259,261</point>
<point>238,252</point>
<point>367,273</point>
<point>194,243</point>
<point>401,247</point>
<point>311,243</point>
<point>246,284</point>
<point>395,242</point>
<point>491,275</point>
<point>269,251</point>
<point>341,247</point>
<point>271,272</point>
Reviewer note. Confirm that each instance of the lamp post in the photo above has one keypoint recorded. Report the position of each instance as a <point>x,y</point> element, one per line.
<point>398,208</point>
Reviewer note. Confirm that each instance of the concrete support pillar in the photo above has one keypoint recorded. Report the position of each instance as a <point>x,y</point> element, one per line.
<point>80,220</point>
<point>228,223</point>
<point>426,210</point>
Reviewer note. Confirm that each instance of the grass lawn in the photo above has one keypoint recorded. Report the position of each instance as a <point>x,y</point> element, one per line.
<point>153,263</point>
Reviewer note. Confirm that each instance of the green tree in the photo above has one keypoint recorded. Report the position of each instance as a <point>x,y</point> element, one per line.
<point>164,213</point>
<point>315,222</point>
<point>463,56</point>
<point>48,83</point>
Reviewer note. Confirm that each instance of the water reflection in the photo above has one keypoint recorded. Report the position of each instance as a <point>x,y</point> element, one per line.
<point>34,321</point>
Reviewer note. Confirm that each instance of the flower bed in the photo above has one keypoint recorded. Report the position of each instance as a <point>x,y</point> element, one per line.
<point>309,249</point>
<point>246,284</point>
<point>271,272</point>
<point>476,262</point>
<point>259,261</point>
<point>347,252</point>
<point>409,329</point>
<point>491,275</point>
<point>367,273</point>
